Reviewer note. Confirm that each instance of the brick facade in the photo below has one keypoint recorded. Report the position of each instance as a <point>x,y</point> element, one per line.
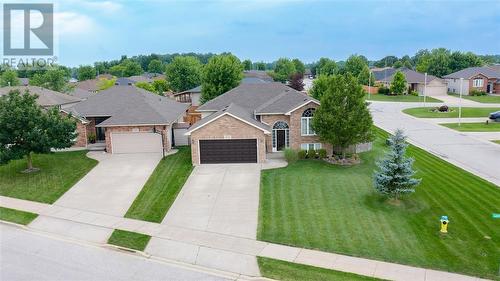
<point>81,139</point>
<point>164,130</point>
<point>485,83</point>
<point>227,127</point>
<point>271,120</point>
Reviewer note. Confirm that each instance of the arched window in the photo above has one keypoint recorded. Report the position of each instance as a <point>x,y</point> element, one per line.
<point>280,125</point>
<point>305,122</point>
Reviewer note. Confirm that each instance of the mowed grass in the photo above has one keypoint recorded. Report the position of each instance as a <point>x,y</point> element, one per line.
<point>58,172</point>
<point>467,112</point>
<point>16,216</point>
<point>400,98</point>
<point>496,141</point>
<point>162,187</point>
<point>474,127</point>
<point>288,271</point>
<point>481,99</point>
<point>127,239</point>
<point>316,205</point>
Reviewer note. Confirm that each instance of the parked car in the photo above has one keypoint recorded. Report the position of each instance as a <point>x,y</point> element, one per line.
<point>495,116</point>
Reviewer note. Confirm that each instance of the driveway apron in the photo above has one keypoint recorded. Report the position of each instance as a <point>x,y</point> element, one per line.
<point>219,198</point>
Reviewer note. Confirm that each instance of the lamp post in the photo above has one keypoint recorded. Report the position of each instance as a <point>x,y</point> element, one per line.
<point>425,86</point>
<point>460,103</point>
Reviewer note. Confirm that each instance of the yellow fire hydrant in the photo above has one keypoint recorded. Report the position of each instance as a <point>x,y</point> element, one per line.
<point>444,224</point>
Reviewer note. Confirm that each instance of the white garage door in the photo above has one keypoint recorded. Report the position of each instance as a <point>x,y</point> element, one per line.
<point>436,90</point>
<point>136,142</point>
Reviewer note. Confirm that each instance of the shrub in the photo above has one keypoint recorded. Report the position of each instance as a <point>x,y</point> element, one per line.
<point>291,155</point>
<point>311,154</point>
<point>443,108</point>
<point>302,154</point>
<point>91,138</point>
<point>414,93</point>
<point>477,93</point>
<point>383,90</point>
<point>322,153</point>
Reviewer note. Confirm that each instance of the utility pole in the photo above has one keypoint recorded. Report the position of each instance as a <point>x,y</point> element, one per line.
<point>425,87</point>
<point>460,104</point>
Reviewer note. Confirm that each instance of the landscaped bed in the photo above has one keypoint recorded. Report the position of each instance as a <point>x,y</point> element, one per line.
<point>317,205</point>
<point>474,127</point>
<point>162,187</point>
<point>127,239</point>
<point>16,216</point>
<point>400,98</point>
<point>481,99</point>
<point>58,172</point>
<point>282,270</point>
<point>467,112</point>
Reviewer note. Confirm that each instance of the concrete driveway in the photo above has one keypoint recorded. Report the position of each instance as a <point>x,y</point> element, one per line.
<point>111,187</point>
<point>219,198</point>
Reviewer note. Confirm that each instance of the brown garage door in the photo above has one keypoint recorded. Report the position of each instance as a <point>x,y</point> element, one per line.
<point>228,151</point>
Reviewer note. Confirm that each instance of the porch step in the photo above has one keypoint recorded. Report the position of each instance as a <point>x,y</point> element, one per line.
<point>96,146</point>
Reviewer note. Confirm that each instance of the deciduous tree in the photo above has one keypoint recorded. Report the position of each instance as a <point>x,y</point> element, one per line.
<point>326,66</point>
<point>283,70</point>
<point>247,65</point>
<point>343,118</point>
<point>86,72</point>
<point>299,66</point>
<point>28,129</point>
<point>221,74</point>
<point>184,73</point>
<point>320,85</point>
<point>55,79</point>
<point>296,82</point>
<point>156,66</point>
<point>9,78</point>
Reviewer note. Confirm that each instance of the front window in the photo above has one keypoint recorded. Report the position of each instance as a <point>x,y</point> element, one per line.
<point>309,146</point>
<point>305,122</point>
<point>477,83</point>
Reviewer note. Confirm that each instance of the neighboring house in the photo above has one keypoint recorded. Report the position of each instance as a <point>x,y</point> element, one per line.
<point>154,76</point>
<point>46,98</point>
<point>24,81</point>
<point>124,81</point>
<point>415,82</point>
<point>191,97</point>
<point>260,74</point>
<point>80,93</point>
<point>485,79</point>
<point>245,123</point>
<point>140,78</point>
<point>90,85</point>
<point>381,75</point>
<point>130,120</point>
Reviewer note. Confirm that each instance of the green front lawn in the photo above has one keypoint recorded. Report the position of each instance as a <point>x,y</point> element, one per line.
<point>16,216</point>
<point>400,98</point>
<point>496,141</point>
<point>481,99</point>
<point>288,271</point>
<point>316,205</point>
<point>127,239</point>
<point>162,187</point>
<point>474,127</point>
<point>467,112</point>
<point>58,172</point>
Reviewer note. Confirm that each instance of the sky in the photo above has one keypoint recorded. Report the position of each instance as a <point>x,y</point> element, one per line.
<point>90,31</point>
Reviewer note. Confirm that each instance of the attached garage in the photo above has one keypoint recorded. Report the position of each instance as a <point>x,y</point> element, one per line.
<point>228,151</point>
<point>137,142</point>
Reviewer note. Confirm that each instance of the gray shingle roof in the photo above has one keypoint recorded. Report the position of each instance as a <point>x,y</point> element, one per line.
<point>46,97</point>
<point>129,105</point>
<point>261,74</point>
<point>234,110</point>
<point>81,93</point>
<point>467,73</point>
<point>383,74</point>
<point>124,81</point>
<point>258,97</point>
<point>413,77</point>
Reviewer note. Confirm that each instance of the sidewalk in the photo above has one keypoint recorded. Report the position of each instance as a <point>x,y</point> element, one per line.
<point>212,250</point>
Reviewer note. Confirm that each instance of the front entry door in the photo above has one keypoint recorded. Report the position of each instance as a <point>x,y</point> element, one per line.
<point>280,139</point>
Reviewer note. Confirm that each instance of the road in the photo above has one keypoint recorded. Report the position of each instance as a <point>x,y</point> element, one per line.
<point>475,155</point>
<point>26,255</point>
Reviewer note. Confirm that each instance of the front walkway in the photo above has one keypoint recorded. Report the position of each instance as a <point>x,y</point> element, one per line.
<point>219,251</point>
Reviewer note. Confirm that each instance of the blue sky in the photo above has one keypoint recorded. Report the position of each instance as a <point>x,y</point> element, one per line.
<point>266,30</point>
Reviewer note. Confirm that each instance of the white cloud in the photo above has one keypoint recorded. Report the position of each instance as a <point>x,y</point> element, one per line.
<point>71,23</point>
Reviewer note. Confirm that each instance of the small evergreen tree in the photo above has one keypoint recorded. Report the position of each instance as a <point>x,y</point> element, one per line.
<point>394,177</point>
<point>398,84</point>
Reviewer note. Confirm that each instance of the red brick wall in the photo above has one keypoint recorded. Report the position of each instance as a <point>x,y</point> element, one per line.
<point>471,83</point>
<point>81,139</point>
<point>271,120</point>
<point>296,139</point>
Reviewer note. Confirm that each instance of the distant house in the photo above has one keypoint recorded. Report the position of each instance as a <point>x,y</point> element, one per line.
<point>24,81</point>
<point>124,81</point>
<point>415,81</point>
<point>260,74</point>
<point>485,79</point>
<point>154,76</point>
<point>140,78</point>
<point>381,74</point>
<point>80,93</point>
<point>191,96</point>
<point>46,98</point>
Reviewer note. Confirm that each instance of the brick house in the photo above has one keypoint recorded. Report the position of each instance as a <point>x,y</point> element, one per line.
<point>127,119</point>
<point>485,79</point>
<point>251,120</point>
